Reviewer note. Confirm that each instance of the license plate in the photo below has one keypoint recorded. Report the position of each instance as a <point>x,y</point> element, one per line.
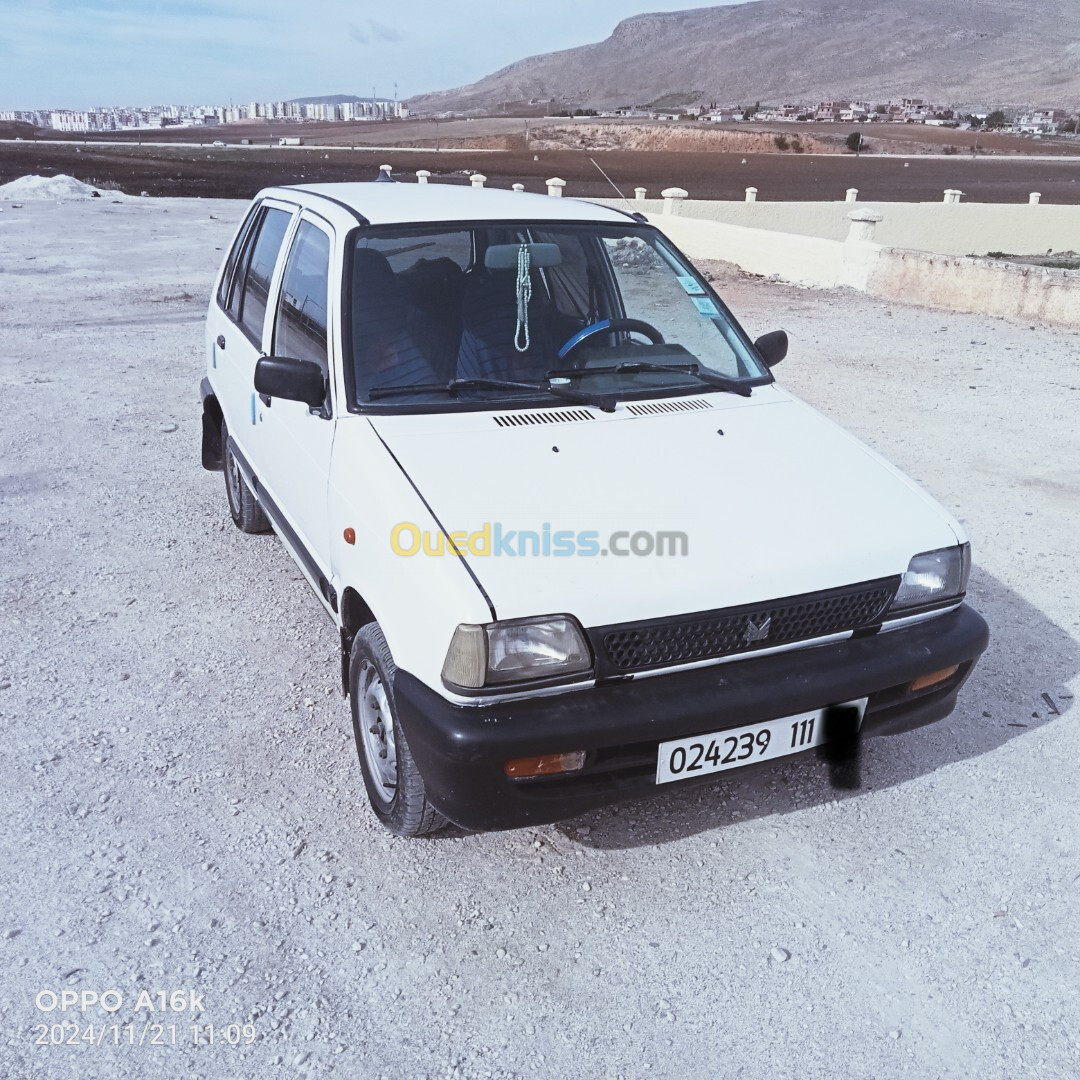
<point>682,759</point>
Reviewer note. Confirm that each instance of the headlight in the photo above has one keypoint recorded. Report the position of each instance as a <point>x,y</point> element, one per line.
<point>934,577</point>
<point>517,650</point>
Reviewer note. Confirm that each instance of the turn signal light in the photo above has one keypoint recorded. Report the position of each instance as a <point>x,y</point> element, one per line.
<point>935,677</point>
<point>545,764</point>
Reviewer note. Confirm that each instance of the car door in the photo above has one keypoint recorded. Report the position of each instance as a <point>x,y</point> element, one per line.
<point>242,325</point>
<point>296,439</point>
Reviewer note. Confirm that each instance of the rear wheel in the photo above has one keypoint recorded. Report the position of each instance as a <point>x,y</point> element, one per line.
<point>247,514</point>
<point>394,785</point>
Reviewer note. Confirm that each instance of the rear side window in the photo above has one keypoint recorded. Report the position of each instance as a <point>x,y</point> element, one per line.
<point>300,329</point>
<point>252,291</point>
<point>234,257</point>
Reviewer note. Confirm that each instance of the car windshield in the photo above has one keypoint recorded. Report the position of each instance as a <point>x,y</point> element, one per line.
<point>439,317</point>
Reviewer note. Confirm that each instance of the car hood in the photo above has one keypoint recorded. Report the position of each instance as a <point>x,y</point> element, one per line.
<point>773,498</point>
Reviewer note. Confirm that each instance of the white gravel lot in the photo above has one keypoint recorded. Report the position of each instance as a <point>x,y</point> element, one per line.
<point>183,809</point>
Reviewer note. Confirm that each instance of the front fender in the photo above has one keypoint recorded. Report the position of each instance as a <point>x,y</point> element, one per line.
<point>418,600</point>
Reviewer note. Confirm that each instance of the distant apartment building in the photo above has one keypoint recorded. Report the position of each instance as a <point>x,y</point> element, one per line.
<point>73,121</point>
<point>126,118</point>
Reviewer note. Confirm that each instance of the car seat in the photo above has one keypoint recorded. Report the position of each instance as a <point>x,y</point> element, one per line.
<point>386,328</point>
<point>489,324</point>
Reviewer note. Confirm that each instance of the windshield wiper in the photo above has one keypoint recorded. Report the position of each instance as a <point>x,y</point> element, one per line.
<point>604,402</point>
<point>632,367</point>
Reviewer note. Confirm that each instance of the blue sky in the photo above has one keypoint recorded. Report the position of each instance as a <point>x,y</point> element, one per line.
<point>79,53</point>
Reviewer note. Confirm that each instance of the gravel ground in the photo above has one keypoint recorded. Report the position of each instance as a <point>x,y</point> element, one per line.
<point>183,808</point>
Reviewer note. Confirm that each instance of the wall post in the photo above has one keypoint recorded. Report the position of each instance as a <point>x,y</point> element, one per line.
<point>863,225</point>
<point>673,197</point>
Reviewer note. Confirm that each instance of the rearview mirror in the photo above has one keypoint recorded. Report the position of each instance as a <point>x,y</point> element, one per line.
<point>772,347</point>
<point>291,379</point>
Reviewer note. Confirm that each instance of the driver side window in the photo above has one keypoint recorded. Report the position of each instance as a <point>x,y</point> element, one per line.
<point>300,329</point>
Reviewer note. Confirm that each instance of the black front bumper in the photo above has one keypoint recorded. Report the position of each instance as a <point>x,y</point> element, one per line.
<point>460,750</point>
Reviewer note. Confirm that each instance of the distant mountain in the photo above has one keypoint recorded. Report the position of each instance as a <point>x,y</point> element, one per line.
<point>962,52</point>
<point>332,99</point>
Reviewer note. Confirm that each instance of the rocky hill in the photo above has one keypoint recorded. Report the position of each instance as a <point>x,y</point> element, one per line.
<point>963,52</point>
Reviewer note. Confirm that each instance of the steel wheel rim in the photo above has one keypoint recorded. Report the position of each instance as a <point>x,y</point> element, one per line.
<point>377,731</point>
<point>233,480</point>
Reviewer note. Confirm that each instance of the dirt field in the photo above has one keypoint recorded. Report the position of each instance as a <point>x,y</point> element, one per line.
<point>604,134</point>
<point>183,807</point>
<point>238,172</point>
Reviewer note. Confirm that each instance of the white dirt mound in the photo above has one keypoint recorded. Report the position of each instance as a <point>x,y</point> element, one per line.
<point>59,187</point>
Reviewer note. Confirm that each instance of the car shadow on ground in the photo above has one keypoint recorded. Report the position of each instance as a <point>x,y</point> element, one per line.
<point>1029,656</point>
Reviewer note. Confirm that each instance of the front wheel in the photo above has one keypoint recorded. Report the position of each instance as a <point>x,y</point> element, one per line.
<point>394,785</point>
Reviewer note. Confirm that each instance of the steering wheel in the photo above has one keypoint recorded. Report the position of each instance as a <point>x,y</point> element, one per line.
<point>608,326</point>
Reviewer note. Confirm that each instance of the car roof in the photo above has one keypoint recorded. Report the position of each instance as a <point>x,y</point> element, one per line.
<point>404,204</point>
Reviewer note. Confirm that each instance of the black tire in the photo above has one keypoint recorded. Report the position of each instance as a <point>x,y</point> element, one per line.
<point>244,508</point>
<point>398,797</point>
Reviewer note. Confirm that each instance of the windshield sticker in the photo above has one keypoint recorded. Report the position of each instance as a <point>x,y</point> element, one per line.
<point>690,285</point>
<point>705,305</point>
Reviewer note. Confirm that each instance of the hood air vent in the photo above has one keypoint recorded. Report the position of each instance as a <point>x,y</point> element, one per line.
<point>529,419</point>
<point>654,408</point>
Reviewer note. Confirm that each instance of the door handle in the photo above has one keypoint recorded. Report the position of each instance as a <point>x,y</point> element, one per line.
<point>221,341</point>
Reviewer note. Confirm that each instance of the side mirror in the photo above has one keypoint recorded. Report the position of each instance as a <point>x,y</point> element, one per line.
<point>291,379</point>
<point>772,347</point>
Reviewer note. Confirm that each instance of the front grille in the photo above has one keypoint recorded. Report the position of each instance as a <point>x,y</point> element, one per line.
<point>709,635</point>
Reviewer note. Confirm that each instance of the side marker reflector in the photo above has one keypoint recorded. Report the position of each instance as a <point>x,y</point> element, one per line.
<point>545,765</point>
<point>935,677</point>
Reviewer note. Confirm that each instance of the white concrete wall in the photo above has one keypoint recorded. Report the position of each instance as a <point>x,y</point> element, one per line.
<point>1034,294</point>
<point>956,283</point>
<point>802,260</point>
<point>962,229</point>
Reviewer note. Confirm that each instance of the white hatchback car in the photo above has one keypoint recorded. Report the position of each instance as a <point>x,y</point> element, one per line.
<point>577,541</point>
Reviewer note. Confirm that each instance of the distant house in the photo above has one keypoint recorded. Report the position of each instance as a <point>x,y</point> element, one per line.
<point>1041,122</point>
<point>714,117</point>
<point>831,110</point>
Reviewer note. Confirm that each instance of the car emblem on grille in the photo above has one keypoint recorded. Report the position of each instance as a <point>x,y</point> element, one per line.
<point>757,631</point>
